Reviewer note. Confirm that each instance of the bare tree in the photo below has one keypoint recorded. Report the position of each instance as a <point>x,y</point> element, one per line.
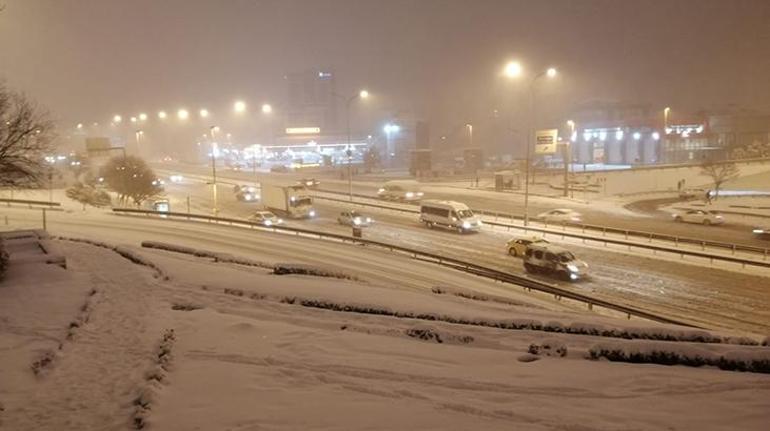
<point>719,173</point>
<point>131,178</point>
<point>26,135</point>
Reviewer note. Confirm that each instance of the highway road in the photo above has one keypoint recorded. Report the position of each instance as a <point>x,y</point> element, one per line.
<point>703,295</point>
<point>641,218</point>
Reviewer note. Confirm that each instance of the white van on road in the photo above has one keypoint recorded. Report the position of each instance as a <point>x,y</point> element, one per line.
<point>450,215</point>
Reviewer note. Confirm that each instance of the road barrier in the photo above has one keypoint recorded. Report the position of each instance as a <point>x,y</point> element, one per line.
<point>520,280</point>
<point>8,202</point>
<point>648,236</point>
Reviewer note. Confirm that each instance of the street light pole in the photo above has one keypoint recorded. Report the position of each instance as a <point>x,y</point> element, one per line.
<point>568,156</point>
<point>214,129</point>
<point>551,72</point>
<point>363,94</point>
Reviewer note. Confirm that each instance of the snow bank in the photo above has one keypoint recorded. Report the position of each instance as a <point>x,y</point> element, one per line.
<point>753,359</point>
<point>125,252</point>
<point>218,257</point>
<point>302,269</point>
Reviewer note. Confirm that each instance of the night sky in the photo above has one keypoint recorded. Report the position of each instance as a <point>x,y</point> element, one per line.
<point>436,60</point>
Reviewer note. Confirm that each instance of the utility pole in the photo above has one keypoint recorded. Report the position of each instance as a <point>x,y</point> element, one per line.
<point>215,209</point>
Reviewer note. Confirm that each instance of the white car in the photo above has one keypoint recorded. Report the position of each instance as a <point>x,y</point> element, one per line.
<point>518,245</point>
<point>698,216</point>
<point>761,232</point>
<point>561,215</point>
<point>265,218</point>
<point>354,218</point>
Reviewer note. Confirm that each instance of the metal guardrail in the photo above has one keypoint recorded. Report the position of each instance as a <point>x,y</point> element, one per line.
<point>8,202</point>
<point>472,268</point>
<point>649,236</point>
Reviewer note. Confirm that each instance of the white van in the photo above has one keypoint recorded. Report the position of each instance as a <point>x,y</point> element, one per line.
<point>449,215</point>
<point>400,190</point>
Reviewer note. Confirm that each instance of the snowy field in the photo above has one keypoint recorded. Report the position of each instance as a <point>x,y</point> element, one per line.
<point>189,343</point>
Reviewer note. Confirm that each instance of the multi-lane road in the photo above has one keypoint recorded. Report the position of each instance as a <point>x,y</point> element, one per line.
<point>698,293</point>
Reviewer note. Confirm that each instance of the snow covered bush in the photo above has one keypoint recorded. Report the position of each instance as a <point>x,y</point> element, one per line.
<point>301,269</point>
<point>3,259</point>
<point>751,359</point>
<point>218,257</point>
<point>549,347</point>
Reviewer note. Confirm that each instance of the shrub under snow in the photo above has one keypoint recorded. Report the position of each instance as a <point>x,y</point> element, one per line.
<point>753,359</point>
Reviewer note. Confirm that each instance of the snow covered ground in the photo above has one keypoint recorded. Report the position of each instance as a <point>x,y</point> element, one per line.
<point>197,344</point>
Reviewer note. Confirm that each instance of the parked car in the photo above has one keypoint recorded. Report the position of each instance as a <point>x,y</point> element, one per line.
<point>279,168</point>
<point>704,217</point>
<point>265,218</point>
<point>761,232</point>
<point>554,260</point>
<point>561,215</point>
<point>309,182</point>
<point>517,246</point>
<point>449,215</point>
<point>354,218</point>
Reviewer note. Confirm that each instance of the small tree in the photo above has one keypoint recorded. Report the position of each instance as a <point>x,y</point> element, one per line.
<point>131,178</point>
<point>371,159</point>
<point>88,195</point>
<point>719,173</point>
<point>26,134</point>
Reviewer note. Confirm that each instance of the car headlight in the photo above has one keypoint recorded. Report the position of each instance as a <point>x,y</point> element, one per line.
<point>356,221</point>
<point>573,268</point>
<point>381,191</point>
<point>247,197</point>
<point>466,225</point>
<point>409,194</point>
<point>758,231</point>
<point>312,213</point>
<point>280,220</point>
<point>368,220</point>
<point>268,222</point>
<point>480,223</point>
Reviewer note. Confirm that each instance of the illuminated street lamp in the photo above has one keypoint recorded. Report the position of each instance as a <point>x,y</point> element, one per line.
<point>133,119</point>
<point>239,107</point>
<point>79,126</point>
<point>117,119</point>
<point>204,113</point>
<point>665,118</point>
<point>182,114</point>
<point>162,115</point>
<point>266,108</point>
<point>142,117</point>
<point>514,70</point>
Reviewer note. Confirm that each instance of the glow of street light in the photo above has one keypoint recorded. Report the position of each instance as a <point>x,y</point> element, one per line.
<point>513,69</point>
<point>637,136</point>
<point>162,115</point>
<point>391,128</point>
<point>655,136</point>
<point>117,119</point>
<point>142,116</point>
<point>619,135</point>
<point>363,94</point>
<point>239,106</point>
<point>133,119</point>
<point>80,125</point>
<point>182,114</point>
<point>266,108</point>
<point>551,72</point>
<point>204,113</point>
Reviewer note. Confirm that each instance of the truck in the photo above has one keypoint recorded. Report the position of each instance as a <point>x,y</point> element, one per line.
<point>290,201</point>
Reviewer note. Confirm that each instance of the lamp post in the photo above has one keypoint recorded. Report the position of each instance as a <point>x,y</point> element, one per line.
<point>514,70</point>
<point>213,130</point>
<point>568,155</point>
<point>139,137</point>
<point>666,111</point>
<point>363,94</point>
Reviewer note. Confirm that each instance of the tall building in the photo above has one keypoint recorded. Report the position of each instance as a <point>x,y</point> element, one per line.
<point>311,101</point>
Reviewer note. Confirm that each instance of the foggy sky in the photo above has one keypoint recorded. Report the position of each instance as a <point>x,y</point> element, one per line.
<point>438,60</point>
